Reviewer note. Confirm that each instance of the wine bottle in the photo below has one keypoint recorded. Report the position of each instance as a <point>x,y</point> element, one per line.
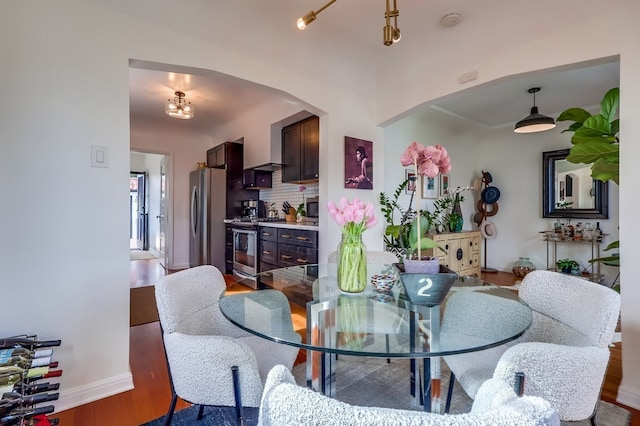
<point>41,420</point>
<point>10,375</point>
<point>12,400</point>
<point>20,361</point>
<point>27,342</point>
<point>24,352</point>
<point>34,388</point>
<point>15,417</point>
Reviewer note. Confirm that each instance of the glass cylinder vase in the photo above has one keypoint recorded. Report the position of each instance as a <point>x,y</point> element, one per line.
<point>352,264</point>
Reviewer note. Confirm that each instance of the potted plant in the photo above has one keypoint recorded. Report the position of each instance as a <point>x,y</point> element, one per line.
<point>567,266</point>
<point>595,141</point>
<point>401,238</point>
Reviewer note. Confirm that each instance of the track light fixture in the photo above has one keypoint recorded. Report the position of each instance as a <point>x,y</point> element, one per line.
<point>311,16</point>
<point>534,122</point>
<point>179,107</point>
<point>390,33</point>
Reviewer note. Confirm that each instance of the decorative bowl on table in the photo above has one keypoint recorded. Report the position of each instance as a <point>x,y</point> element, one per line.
<point>428,289</point>
<point>383,283</point>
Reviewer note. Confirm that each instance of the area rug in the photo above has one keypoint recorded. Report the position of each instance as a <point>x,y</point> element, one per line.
<point>142,305</point>
<point>141,255</point>
<point>373,382</point>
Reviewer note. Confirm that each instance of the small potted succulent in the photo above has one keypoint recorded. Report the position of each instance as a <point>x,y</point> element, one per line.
<point>567,266</point>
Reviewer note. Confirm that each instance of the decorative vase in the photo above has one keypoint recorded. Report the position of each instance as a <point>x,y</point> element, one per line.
<point>457,227</point>
<point>424,266</point>
<point>352,263</point>
<point>522,267</point>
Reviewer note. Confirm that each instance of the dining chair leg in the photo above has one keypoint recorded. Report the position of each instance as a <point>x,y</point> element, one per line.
<point>452,379</point>
<point>172,407</point>
<point>236,395</point>
<point>200,412</point>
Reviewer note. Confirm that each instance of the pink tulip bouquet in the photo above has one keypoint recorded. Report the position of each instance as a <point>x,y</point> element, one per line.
<point>354,218</point>
<point>427,161</point>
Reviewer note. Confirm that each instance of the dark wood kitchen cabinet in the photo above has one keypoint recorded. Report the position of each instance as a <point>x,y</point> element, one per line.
<point>257,179</point>
<point>228,250</point>
<point>297,247</point>
<point>301,151</point>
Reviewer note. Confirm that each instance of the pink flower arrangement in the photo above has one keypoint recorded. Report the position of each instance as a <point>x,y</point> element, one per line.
<point>427,161</point>
<point>355,217</point>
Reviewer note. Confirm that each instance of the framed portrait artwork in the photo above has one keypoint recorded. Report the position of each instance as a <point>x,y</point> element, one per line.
<point>444,184</point>
<point>358,163</point>
<point>430,187</point>
<point>411,186</point>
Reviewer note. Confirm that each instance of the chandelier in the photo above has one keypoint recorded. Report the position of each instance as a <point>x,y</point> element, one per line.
<point>390,33</point>
<point>179,107</point>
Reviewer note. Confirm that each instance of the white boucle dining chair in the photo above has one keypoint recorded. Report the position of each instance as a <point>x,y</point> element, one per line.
<point>286,403</point>
<point>565,352</point>
<point>203,348</point>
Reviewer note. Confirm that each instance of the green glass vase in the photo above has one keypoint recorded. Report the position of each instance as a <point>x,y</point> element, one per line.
<point>352,263</point>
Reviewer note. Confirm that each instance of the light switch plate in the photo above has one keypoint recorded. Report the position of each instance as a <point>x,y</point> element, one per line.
<point>99,156</point>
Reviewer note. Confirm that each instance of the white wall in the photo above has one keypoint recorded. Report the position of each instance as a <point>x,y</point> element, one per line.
<point>80,287</point>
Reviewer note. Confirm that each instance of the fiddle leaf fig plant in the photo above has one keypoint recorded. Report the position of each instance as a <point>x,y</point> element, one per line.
<point>595,140</point>
<point>595,137</point>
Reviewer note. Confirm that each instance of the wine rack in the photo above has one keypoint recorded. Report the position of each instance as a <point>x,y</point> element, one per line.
<point>25,393</point>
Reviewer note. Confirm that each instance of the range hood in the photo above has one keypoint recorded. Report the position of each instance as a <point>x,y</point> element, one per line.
<point>268,156</point>
<point>267,167</point>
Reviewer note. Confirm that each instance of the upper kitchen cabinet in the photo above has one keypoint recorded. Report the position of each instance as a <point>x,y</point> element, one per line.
<point>301,151</point>
<point>217,156</point>
<point>256,179</point>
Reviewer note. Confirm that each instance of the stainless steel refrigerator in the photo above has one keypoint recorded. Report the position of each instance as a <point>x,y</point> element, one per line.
<point>207,212</point>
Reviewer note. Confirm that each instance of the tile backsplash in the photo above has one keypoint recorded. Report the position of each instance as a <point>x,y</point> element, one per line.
<point>281,192</point>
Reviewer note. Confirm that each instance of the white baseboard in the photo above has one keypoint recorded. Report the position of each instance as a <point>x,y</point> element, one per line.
<point>70,398</point>
<point>629,397</point>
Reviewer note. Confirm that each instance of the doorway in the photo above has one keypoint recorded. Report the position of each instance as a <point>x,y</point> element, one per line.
<point>138,216</point>
<point>148,204</point>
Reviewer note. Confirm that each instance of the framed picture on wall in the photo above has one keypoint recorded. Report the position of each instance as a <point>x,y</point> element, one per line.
<point>430,187</point>
<point>358,163</point>
<point>444,184</point>
<point>411,186</point>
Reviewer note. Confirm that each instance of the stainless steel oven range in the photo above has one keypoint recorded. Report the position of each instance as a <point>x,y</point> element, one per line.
<point>245,251</point>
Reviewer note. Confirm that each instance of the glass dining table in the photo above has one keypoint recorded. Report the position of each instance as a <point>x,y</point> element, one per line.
<point>373,324</point>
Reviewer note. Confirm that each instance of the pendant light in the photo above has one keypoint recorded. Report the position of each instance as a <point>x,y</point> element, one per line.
<point>179,107</point>
<point>534,122</point>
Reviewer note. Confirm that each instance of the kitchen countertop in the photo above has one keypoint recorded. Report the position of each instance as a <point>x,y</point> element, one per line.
<point>290,225</point>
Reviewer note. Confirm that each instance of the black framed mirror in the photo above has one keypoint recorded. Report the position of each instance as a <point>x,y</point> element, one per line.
<point>569,191</point>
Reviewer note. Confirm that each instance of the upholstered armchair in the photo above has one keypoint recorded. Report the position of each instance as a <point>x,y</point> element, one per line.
<point>202,346</point>
<point>564,354</point>
<point>286,403</point>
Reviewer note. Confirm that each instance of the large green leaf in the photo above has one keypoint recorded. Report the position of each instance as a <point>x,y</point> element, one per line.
<point>604,170</point>
<point>574,114</point>
<point>609,104</point>
<point>589,152</point>
<point>615,127</point>
<point>575,126</point>
<point>597,123</point>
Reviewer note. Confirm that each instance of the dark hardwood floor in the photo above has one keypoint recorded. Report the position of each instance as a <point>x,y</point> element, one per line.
<point>151,396</point>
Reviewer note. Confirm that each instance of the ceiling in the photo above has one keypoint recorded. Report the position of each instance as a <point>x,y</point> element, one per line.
<point>218,97</point>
